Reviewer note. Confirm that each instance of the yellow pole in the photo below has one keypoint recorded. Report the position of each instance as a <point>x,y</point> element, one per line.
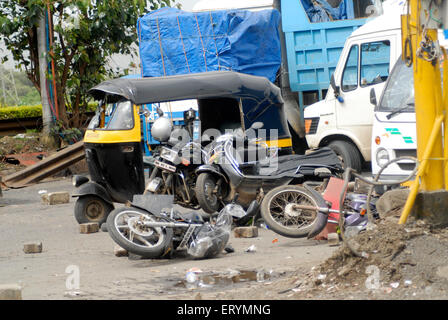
<point>445,112</point>
<point>422,168</point>
<point>427,103</point>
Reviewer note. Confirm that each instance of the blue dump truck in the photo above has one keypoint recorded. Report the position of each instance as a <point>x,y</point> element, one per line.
<point>294,43</point>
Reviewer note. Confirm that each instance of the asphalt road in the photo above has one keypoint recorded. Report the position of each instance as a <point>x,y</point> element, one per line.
<point>102,275</point>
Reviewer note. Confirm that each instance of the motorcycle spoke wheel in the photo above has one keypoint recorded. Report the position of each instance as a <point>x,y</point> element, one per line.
<point>283,210</point>
<point>130,225</point>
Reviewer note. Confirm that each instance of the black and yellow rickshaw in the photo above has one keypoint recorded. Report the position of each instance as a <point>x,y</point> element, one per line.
<point>114,138</point>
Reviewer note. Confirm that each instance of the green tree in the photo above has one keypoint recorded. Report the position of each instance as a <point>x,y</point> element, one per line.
<point>84,34</point>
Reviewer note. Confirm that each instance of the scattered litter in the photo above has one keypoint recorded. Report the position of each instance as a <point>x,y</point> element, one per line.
<point>288,257</point>
<point>229,249</point>
<point>407,283</point>
<point>395,285</point>
<point>321,276</point>
<point>264,226</point>
<point>42,191</point>
<point>191,277</point>
<point>75,293</point>
<point>195,270</point>
<point>275,240</point>
<point>252,248</point>
<point>260,276</point>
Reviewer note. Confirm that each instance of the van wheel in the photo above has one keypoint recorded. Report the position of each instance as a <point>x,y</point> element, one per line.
<point>348,153</point>
<point>92,209</point>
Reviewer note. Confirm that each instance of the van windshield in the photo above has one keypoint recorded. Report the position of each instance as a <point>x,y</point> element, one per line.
<point>399,91</point>
<point>117,116</point>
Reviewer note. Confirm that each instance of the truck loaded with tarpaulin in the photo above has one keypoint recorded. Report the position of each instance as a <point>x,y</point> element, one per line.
<point>175,42</point>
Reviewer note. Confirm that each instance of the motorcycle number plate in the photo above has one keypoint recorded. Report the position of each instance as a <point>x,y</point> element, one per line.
<point>165,166</point>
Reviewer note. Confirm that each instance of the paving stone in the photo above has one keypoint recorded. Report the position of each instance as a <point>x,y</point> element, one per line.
<point>245,232</point>
<point>32,247</point>
<point>120,252</point>
<point>333,239</point>
<point>10,292</point>
<point>56,198</point>
<point>90,227</point>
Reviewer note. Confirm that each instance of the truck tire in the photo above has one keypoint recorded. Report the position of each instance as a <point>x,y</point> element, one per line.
<point>348,153</point>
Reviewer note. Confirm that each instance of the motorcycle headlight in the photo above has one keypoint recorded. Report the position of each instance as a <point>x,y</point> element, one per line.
<point>170,155</point>
<point>382,157</point>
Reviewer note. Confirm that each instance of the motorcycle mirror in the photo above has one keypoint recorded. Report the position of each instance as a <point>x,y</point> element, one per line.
<point>257,125</point>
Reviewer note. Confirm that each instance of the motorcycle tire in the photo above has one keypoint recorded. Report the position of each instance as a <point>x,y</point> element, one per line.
<point>278,212</point>
<point>146,242</point>
<point>91,208</point>
<point>205,183</point>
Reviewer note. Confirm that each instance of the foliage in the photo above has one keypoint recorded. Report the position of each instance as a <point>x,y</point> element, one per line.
<point>85,34</point>
<point>70,135</point>
<point>20,112</point>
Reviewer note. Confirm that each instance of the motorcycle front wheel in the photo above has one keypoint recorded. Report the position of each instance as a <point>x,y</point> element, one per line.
<point>126,227</point>
<point>281,214</point>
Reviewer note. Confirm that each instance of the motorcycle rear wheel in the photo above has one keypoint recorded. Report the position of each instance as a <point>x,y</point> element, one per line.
<point>207,199</point>
<point>124,227</point>
<point>279,213</point>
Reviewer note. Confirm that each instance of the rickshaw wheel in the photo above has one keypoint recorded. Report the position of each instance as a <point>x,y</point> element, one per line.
<point>92,209</point>
<point>207,199</point>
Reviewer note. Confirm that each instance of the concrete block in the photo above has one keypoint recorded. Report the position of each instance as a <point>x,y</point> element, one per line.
<point>91,227</point>
<point>245,232</point>
<point>391,201</point>
<point>56,198</point>
<point>120,252</point>
<point>10,292</point>
<point>333,239</point>
<point>431,206</point>
<point>32,247</point>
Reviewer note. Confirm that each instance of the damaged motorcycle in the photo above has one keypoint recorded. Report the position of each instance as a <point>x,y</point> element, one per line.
<point>150,227</point>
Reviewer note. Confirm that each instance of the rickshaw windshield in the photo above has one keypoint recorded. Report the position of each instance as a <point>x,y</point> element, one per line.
<point>117,116</point>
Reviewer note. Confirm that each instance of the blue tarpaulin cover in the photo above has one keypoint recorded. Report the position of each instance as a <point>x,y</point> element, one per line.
<point>173,42</point>
<point>322,11</point>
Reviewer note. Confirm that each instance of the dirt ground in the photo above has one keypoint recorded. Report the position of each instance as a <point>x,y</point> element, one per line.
<point>21,143</point>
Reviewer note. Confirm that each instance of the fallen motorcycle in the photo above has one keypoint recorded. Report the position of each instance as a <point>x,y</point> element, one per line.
<point>151,228</point>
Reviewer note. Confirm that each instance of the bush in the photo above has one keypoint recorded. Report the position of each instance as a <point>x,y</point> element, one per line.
<point>20,112</point>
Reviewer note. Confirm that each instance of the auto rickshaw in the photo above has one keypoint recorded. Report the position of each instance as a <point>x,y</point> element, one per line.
<point>114,140</point>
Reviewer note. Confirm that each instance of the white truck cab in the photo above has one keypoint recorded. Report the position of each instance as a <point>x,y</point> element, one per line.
<point>394,130</point>
<point>343,120</point>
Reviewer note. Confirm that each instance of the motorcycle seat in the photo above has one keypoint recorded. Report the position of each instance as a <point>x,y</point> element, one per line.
<point>301,164</point>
